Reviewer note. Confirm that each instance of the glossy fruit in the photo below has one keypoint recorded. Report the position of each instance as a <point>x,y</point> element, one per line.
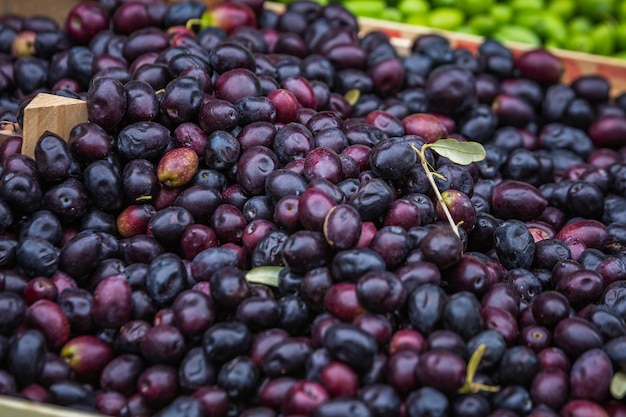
<point>87,356</point>
<point>177,167</point>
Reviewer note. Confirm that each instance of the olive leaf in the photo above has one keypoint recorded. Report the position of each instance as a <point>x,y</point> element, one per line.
<point>266,275</point>
<point>462,153</point>
<point>618,385</point>
<point>352,96</point>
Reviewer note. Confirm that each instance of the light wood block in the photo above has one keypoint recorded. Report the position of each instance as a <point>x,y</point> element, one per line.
<point>53,113</point>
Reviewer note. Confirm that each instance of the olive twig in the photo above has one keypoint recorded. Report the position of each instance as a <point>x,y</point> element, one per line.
<point>192,23</point>
<point>463,153</point>
<point>470,386</point>
<point>431,178</point>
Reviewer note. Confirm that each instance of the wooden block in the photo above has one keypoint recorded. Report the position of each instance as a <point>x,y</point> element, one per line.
<point>54,113</point>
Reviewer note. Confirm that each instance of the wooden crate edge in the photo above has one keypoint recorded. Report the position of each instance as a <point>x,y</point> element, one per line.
<point>14,407</point>
<point>575,63</point>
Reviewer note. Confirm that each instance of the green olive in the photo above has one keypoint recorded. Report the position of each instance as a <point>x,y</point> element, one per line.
<point>483,24</point>
<point>603,39</point>
<point>563,8</point>
<point>472,7</point>
<point>580,24</point>
<point>467,30</point>
<point>419,19</point>
<point>519,5</point>
<point>445,3</point>
<point>551,44</point>
<point>620,36</point>
<point>579,42</point>
<point>367,8</point>
<point>501,13</point>
<point>514,33</point>
<point>410,7</point>
<point>446,18</point>
<point>596,9</point>
<point>621,12</point>
<point>550,26</point>
<point>392,14</point>
<point>529,19</point>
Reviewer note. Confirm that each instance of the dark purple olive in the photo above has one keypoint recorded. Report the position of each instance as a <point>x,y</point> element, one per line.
<point>590,375</point>
<point>106,100</point>
<point>576,335</point>
<point>514,245</point>
<point>517,200</point>
<point>143,139</point>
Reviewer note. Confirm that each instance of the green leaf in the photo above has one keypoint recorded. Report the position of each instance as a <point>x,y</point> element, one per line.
<point>266,275</point>
<point>618,385</point>
<point>352,96</point>
<point>462,153</point>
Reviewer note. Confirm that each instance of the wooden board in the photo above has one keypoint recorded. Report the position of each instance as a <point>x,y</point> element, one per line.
<point>48,112</point>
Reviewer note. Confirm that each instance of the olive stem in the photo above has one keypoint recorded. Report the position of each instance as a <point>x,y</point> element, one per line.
<point>431,179</point>
<point>193,22</point>
<point>471,387</point>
